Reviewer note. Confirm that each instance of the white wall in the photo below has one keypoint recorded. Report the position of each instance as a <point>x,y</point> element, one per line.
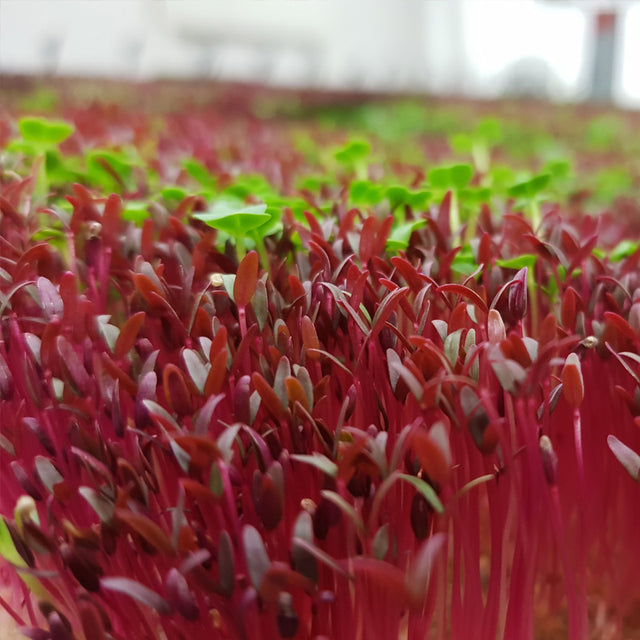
<point>478,47</point>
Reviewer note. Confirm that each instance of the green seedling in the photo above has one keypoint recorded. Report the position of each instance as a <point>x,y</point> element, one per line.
<point>44,134</point>
<point>241,221</point>
<point>40,139</point>
<point>401,234</point>
<point>464,262</point>
<point>365,193</point>
<point>200,174</point>
<point>136,211</point>
<point>353,157</point>
<point>400,196</point>
<point>529,194</point>
<point>562,178</point>
<point>276,203</point>
<point>252,184</point>
<point>173,195</point>
<point>110,170</point>
<point>623,249</point>
<point>488,133</point>
<point>603,132</point>
<point>611,182</point>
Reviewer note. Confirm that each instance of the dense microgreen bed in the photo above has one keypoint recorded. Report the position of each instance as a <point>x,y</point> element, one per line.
<point>277,370</point>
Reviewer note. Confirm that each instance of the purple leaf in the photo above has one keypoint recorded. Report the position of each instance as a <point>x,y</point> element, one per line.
<point>203,420</point>
<point>71,363</point>
<point>255,555</point>
<point>25,481</point>
<point>138,592</point>
<point>50,299</point>
<point>59,628</point>
<point>517,301</point>
<point>226,571</point>
<point>180,596</point>
<point>43,437</point>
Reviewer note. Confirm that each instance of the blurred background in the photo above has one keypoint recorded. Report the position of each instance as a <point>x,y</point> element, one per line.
<point>562,50</point>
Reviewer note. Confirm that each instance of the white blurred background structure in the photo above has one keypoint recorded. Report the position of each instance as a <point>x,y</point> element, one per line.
<point>565,50</point>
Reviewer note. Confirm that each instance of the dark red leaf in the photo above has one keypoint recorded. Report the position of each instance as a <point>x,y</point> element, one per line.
<point>310,338</point>
<point>465,292</point>
<point>75,370</point>
<point>244,285</point>
<point>128,334</point>
<point>268,396</point>
<point>267,500</point>
<point>435,460</point>
<point>175,390</point>
<point>572,384</point>
<point>146,528</point>
<point>91,620</point>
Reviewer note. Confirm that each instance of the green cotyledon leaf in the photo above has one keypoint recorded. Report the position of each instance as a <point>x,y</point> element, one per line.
<point>234,217</point>
<point>44,132</point>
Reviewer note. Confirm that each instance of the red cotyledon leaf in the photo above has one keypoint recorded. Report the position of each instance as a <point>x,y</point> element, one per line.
<point>389,578</point>
<point>217,374</point>
<point>112,217</point>
<point>246,279</point>
<point>385,309</point>
<point>91,620</point>
<point>201,449</point>
<point>572,383</point>
<point>127,384</point>
<point>281,577</point>
<point>77,374</point>
<point>465,292</point>
<point>146,287</point>
<point>413,278</point>
<point>373,237</point>
<point>433,453</point>
<point>176,392</point>
<point>295,392</point>
<point>268,396</point>
<point>621,325</point>
<point>146,239</point>
<point>92,464</point>
<point>310,338</point>
<point>128,334</point>
<point>568,308</point>
<point>197,490</point>
<point>52,305</point>
<point>146,528</point>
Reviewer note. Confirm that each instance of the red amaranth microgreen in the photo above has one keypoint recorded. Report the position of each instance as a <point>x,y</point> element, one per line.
<point>232,408</point>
